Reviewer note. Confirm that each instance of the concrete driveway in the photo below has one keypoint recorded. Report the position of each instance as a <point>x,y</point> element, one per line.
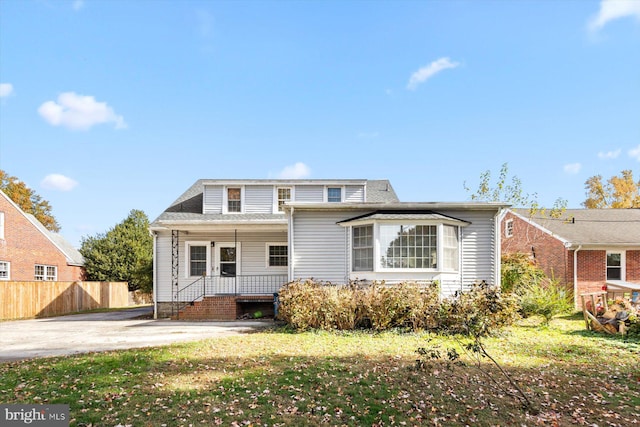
<point>82,333</point>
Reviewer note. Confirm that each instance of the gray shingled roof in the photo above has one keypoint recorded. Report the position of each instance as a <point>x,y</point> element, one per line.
<point>403,215</point>
<point>592,226</point>
<point>381,191</point>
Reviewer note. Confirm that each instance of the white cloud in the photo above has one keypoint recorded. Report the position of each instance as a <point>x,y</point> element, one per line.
<point>6,89</point>
<point>429,71</point>
<point>78,4</point>
<point>635,153</point>
<point>614,9</point>
<point>368,135</point>
<point>78,112</point>
<point>55,181</point>
<point>572,168</point>
<point>297,171</point>
<point>609,154</point>
<point>205,23</point>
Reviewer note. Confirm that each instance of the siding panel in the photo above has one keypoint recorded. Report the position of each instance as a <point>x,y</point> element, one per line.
<point>309,193</point>
<point>321,246</point>
<point>354,193</point>
<point>258,199</point>
<point>251,262</point>
<point>212,199</point>
<point>478,247</point>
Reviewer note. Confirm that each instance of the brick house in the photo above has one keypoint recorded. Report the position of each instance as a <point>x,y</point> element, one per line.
<point>28,251</point>
<point>588,250</point>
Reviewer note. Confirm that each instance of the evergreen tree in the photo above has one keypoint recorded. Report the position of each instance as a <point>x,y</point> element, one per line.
<point>122,254</point>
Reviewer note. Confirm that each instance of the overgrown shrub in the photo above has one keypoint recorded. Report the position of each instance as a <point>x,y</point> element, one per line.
<point>383,306</point>
<point>545,298</point>
<point>477,312</point>
<point>313,305</point>
<point>518,270</point>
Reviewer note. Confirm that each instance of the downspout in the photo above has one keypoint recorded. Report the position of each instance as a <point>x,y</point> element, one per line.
<point>291,247</point>
<point>498,250</point>
<point>155,274</point>
<point>575,276</point>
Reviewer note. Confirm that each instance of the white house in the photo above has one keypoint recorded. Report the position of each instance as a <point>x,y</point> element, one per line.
<point>225,244</point>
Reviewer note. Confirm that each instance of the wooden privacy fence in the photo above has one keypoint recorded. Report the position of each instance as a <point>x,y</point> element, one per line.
<point>41,299</point>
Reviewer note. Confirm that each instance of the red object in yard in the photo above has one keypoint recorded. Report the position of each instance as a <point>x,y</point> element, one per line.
<point>604,287</point>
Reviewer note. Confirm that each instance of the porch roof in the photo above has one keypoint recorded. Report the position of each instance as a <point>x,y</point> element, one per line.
<point>190,220</point>
<point>409,215</point>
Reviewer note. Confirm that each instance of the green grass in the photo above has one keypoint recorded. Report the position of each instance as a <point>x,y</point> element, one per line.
<point>280,378</point>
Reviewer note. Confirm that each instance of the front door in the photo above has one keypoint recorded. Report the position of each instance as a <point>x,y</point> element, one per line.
<point>225,267</point>
<point>227,261</point>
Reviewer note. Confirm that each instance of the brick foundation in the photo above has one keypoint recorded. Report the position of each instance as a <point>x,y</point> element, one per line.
<point>229,307</point>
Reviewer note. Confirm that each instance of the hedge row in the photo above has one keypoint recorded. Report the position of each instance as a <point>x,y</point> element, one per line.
<point>314,305</point>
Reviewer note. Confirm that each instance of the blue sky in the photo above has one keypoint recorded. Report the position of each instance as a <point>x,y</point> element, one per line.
<point>108,106</point>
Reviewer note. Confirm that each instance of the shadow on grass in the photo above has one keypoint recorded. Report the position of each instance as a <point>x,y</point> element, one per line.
<point>287,378</point>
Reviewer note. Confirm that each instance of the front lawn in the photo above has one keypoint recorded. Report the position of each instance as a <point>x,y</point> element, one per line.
<point>277,378</point>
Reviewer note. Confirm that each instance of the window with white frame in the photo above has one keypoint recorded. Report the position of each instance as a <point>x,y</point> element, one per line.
<point>234,199</point>
<point>334,194</point>
<point>380,247</point>
<point>284,196</point>
<point>1,225</point>
<point>197,259</point>
<point>277,255</point>
<point>45,272</point>
<point>408,246</point>
<point>5,270</point>
<point>615,262</point>
<point>508,228</point>
<point>450,248</point>
<point>362,252</point>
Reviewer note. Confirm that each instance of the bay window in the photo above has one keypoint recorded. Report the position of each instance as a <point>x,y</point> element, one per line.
<point>380,246</point>
<point>408,246</point>
<point>363,248</point>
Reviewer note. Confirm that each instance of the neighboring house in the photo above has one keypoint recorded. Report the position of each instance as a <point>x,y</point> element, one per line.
<point>588,250</point>
<point>227,243</point>
<point>30,252</point>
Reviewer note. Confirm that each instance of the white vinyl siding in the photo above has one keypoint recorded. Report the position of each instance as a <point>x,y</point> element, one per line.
<point>309,193</point>
<point>258,199</point>
<point>321,247</point>
<point>354,193</point>
<point>212,199</point>
<point>251,262</point>
<point>478,245</point>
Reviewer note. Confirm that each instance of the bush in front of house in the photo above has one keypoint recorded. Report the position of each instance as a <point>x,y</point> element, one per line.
<point>314,305</point>
<point>478,312</point>
<point>537,294</point>
<point>546,299</point>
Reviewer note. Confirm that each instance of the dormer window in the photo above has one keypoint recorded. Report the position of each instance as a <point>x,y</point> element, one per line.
<point>234,199</point>
<point>334,194</point>
<point>284,196</point>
